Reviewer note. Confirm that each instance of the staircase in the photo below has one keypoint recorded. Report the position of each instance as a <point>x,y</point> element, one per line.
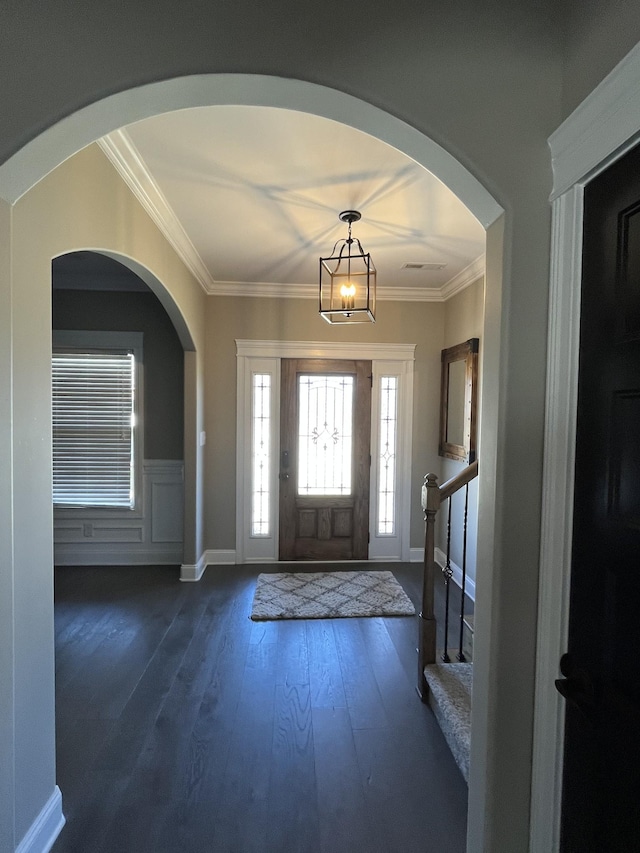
<point>446,686</point>
<point>450,700</point>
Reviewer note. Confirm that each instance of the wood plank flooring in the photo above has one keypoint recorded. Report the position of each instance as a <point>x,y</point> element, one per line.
<point>183,727</point>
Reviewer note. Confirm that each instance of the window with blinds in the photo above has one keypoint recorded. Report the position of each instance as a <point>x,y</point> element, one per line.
<point>93,429</point>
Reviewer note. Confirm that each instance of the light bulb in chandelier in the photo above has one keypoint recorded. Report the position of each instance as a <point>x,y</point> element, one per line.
<point>348,294</point>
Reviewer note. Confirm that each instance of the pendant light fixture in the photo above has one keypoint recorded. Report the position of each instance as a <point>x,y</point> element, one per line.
<point>348,280</point>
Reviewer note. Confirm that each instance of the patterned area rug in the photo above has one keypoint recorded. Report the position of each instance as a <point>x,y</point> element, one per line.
<point>329,595</point>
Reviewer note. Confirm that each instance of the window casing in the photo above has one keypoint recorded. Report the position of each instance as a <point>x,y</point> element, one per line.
<point>97,424</point>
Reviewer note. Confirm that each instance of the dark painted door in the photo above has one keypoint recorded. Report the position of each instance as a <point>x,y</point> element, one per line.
<point>601,790</point>
<point>325,424</point>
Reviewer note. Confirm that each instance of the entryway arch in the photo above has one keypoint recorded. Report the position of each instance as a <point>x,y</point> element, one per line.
<point>56,144</point>
<point>27,168</point>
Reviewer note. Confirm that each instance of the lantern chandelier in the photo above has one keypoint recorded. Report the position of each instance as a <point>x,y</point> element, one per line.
<point>348,280</point>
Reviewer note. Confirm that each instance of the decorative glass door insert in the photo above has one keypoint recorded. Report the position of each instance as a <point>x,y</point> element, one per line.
<point>325,434</point>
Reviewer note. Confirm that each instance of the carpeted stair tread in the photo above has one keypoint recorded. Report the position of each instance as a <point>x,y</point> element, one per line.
<point>450,687</point>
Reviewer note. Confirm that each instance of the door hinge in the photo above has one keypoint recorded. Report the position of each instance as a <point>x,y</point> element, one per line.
<point>370,378</point>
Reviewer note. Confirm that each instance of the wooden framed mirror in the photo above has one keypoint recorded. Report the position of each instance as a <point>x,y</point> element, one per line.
<point>458,401</point>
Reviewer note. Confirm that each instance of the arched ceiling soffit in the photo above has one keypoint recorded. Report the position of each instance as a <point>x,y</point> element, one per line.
<point>245,176</point>
<point>57,143</point>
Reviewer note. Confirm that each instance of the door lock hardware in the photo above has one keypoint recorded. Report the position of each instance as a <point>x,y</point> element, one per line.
<point>577,685</point>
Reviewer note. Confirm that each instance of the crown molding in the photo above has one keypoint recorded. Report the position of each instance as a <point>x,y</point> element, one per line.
<point>267,289</point>
<point>310,291</point>
<point>319,349</point>
<point>123,154</point>
<point>464,278</point>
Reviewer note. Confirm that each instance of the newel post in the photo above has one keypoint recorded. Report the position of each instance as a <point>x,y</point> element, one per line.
<point>426,620</point>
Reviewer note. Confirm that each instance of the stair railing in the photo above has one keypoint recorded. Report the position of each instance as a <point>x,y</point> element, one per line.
<point>433,496</point>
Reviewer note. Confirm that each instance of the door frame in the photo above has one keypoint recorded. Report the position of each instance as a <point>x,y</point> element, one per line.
<point>386,359</point>
<point>603,128</point>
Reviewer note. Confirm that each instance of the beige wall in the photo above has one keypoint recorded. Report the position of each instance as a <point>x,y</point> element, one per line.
<point>228,319</point>
<point>83,204</point>
<point>464,315</point>
<point>7,660</point>
<point>463,319</point>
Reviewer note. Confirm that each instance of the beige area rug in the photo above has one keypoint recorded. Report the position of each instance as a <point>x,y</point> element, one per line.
<point>329,595</point>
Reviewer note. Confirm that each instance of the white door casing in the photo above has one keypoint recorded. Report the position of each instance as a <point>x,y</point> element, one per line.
<point>265,357</point>
<point>603,128</point>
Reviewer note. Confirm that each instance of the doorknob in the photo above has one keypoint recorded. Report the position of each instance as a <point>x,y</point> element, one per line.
<point>577,685</point>
<point>284,475</point>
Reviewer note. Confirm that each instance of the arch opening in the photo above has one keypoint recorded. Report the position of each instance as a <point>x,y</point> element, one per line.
<point>56,144</point>
<point>41,156</point>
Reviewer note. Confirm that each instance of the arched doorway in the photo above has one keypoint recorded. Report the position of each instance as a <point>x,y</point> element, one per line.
<point>132,513</point>
<point>36,160</point>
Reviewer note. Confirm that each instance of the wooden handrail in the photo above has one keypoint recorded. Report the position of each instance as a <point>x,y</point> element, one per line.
<point>432,497</point>
<point>451,486</point>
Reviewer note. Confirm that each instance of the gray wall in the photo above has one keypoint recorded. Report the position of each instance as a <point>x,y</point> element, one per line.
<point>162,355</point>
<point>486,82</point>
<point>597,34</point>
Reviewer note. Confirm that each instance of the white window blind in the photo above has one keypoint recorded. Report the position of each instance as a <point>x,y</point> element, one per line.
<point>93,423</point>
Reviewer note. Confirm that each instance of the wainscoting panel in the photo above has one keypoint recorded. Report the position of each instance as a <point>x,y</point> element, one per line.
<point>154,536</point>
<point>166,511</point>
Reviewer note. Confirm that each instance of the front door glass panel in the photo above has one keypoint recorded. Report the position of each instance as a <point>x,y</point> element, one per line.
<point>325,434</point>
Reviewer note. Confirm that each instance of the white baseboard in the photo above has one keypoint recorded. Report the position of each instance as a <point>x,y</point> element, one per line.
<point>191,573</point>
<point>417,556</point>
<point>42,833</point>
<point>220,557</point>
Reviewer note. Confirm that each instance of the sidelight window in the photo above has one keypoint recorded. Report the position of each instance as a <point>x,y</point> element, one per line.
<point>387,455</point>
<point>260,454</point>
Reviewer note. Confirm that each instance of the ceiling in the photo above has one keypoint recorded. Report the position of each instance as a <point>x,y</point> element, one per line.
<point>250,197</point>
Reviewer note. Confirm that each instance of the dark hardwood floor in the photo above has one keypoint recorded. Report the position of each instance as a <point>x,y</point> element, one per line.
<point>183,727</point>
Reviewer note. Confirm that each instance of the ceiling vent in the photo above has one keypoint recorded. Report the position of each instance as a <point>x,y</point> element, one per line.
<point>419,266</point>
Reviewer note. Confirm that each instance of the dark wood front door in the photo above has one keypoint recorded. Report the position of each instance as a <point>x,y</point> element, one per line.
<point>601,788</point>
<point>325,425</point>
